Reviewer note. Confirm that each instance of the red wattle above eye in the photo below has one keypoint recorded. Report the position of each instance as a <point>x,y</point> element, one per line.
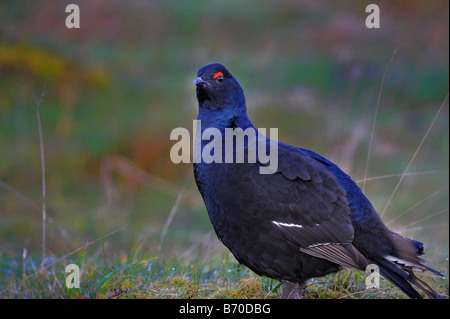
<point>217,75</point>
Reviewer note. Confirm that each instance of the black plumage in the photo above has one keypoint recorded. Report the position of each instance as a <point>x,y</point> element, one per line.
<point>305,220</point>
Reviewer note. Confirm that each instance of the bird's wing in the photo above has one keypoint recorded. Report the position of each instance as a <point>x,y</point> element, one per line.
<point>302,200</point>
<point>330,233</point>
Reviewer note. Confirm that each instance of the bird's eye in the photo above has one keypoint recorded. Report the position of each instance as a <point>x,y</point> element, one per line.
<point>218,76</point>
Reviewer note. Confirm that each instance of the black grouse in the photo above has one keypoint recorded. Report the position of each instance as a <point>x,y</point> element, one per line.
<point>301,218</point>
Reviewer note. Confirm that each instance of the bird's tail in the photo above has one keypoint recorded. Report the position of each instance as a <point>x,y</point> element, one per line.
<point>399,266</point>
<point>402,275</point>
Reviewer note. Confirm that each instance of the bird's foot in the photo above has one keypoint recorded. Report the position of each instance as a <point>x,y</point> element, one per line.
<point>293,290</point>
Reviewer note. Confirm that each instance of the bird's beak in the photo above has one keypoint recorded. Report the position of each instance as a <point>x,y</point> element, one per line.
<point>200,82</point>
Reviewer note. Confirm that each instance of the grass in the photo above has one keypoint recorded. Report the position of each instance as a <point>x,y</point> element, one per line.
<point>159,278</point>
<point>38,101</point>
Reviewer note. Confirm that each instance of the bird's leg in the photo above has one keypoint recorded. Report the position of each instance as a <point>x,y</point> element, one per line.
<point>293,290</point>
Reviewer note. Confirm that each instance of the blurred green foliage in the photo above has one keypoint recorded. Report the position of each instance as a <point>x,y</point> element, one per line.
<point>117,86</point>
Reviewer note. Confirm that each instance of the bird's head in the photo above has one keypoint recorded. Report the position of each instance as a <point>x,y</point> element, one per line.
<point>220,97</point>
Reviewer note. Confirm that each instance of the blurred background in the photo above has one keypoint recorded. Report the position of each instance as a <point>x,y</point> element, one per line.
<point>116,87</point>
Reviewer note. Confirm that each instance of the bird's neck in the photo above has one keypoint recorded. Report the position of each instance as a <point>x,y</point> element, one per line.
<point>214,127</point>
<point>225,117</point>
